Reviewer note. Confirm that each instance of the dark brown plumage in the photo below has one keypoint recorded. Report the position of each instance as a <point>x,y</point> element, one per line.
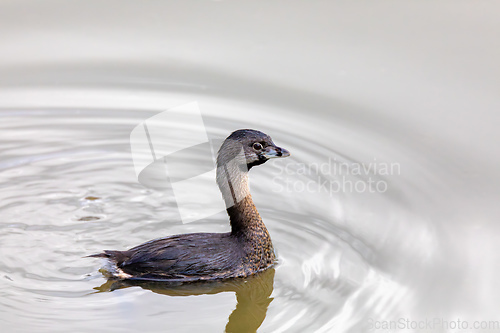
<point>246,250</point>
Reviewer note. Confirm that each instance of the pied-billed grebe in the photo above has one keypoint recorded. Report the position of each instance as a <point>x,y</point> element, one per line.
<point>246,250</point>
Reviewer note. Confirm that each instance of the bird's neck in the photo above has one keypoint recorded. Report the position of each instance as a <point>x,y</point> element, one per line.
<point>245,219</point>
<point>234,186</point>
<point>233,183</point>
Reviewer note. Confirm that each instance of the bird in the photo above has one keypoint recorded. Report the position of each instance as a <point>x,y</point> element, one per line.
<point>243,251</point>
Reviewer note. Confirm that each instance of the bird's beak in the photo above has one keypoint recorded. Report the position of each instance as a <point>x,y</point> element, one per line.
<point>274,152</point>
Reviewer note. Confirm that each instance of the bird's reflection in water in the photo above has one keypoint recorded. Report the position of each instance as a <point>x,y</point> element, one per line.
<point>252,295</point>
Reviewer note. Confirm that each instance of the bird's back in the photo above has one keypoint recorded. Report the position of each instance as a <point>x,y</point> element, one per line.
<point>187,257</point>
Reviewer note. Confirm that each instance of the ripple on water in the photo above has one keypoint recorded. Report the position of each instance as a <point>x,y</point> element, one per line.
<point>70,190</point>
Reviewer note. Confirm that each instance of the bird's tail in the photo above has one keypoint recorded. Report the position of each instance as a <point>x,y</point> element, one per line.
<point>109,254</point>
<point>111,268</point>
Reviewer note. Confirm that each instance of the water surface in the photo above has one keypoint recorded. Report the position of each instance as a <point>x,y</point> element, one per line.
<point>386,210</point>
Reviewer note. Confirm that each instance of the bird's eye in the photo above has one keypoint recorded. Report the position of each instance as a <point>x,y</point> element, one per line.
<point>257,146</point>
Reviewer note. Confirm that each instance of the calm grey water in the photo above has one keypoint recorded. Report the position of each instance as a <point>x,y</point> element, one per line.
<point>385,214</point>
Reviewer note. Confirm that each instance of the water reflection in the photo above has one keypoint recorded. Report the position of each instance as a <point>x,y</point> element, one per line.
<point>252,295</point>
